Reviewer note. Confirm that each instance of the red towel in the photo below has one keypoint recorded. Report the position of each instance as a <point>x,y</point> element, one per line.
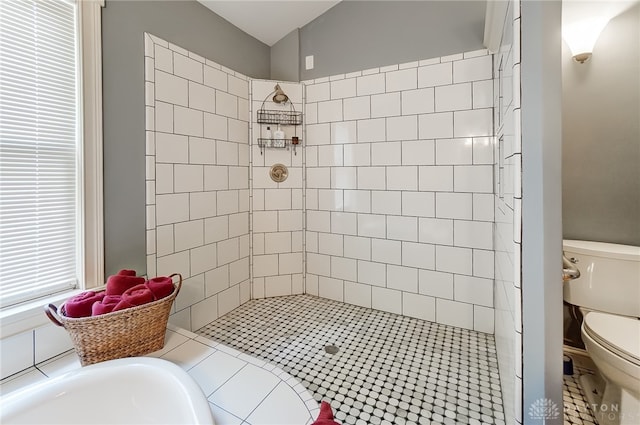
<point>135,296</point>
<point>126,272</point>
<point>118,284</point>
<point>160,286</point>
<point>80,305</point>
<point>106,305</point>
<point>325,417</point>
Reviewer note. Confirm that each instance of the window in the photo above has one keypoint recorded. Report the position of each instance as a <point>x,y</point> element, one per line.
<point>44,136</point>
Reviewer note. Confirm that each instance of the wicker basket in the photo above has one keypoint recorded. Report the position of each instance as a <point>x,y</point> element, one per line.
<point>130,332</point>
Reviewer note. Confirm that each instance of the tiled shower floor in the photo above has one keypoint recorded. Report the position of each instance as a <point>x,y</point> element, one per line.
<point>389,369</point>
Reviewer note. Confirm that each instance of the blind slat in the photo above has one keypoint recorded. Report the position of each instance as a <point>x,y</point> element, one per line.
<point>39,148</point>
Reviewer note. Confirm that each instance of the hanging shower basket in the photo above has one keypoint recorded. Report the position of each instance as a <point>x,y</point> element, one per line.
<point>287,115</point>
<point>268,116</point>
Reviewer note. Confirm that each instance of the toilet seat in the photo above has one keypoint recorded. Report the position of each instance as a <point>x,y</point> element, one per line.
<point>618,334</point>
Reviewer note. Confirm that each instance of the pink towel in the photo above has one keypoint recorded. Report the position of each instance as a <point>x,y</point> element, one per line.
<point>325,417</point>
<point>126,272</point>
<point>80,305</point>
<point>118,284</point>
<point>106,305</point>
<point>160,286</point>
<point>135,296</point>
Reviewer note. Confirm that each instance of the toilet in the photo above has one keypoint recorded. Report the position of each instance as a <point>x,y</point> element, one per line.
<point>608,295</point>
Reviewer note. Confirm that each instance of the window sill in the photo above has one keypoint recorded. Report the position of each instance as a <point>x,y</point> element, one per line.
<point>30,315</point>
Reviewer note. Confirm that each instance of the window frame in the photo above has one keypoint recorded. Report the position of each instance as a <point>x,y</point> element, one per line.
<point>90,15</point>
<point>28,315</point>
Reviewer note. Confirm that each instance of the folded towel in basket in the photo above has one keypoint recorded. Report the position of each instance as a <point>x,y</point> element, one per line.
<point>105,306</point>
<point>135,296</point>
<point>80,305</point>
<point>160,286</point>
<point>118,284</point>
<point>325,417</point>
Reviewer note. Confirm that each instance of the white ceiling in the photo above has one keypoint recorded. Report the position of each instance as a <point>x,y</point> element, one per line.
<point>267,20</point>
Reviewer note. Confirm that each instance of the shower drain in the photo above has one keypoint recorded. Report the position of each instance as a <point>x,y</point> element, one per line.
<point>331,349</point>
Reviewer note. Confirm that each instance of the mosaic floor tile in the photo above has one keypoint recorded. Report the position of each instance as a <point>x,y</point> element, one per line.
<point>388,369</point>
<point>576,406</point>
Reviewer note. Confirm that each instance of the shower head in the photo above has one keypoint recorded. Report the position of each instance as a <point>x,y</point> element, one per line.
<point>280,96</point>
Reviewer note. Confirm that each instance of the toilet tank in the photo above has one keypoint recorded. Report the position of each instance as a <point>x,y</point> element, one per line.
<point>609,277</point>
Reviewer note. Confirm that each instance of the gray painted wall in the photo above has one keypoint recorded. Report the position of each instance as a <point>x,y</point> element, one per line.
<point>601,137</point>
<point>541,108</point>
<point>189,25</point>
<point>356,35</point>
<point>285,58</point>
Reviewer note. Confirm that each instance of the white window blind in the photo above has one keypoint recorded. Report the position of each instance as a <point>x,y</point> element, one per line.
<point>39,149</point>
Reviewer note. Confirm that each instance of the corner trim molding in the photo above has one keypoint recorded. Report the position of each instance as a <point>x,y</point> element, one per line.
<point>494,24</point>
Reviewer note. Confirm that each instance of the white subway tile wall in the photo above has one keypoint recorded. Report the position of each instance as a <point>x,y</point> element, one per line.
<point>389,201</point>
<point>277,214</point>
<point>506,197</point>
<point>399,183</point>
<point>197,181</point>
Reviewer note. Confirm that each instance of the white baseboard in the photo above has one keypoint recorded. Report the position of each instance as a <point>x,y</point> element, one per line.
<point>580,357</point>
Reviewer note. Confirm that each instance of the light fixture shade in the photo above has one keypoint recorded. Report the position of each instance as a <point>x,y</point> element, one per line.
<point>581,36</point>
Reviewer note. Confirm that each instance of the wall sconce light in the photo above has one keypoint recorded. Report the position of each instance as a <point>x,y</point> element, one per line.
<point>584,20</point>
<point>582,35</point>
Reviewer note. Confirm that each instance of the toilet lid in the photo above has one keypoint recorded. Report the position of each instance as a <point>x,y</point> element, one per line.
<point>619,334</point>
